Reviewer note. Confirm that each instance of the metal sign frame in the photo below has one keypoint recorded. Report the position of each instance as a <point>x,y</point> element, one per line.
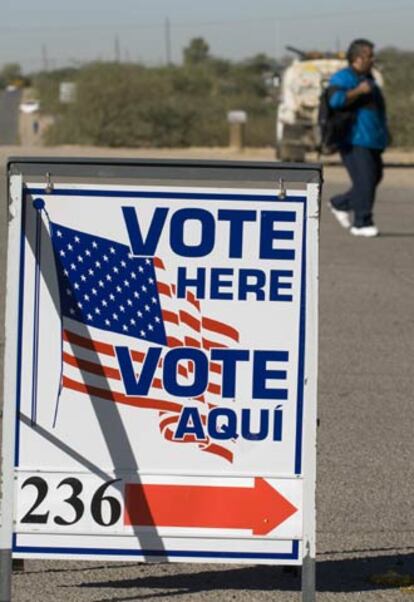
<point>46,174</point>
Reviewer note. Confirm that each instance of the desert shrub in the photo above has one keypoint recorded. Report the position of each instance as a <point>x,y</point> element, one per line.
<point>131,105</point>
<point>397,67</point>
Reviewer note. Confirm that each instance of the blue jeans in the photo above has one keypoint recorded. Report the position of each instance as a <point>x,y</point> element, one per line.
<point>364,166</point>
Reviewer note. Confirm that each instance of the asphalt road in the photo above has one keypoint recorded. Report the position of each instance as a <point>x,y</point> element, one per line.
<point>365,523</point>
<point>9,113</point>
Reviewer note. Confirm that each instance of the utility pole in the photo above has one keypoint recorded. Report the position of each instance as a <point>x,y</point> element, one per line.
<point>276,39</point>
<point>338,43</point>
<point>45,59</point>
<point>168,41</point>
<point>117,49</point>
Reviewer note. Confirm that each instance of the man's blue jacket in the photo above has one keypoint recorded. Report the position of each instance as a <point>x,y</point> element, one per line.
<point>370,126</point>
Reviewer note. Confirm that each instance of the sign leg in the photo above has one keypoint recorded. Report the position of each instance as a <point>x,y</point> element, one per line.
<point>5,575</point>
<point>9,392</point>
<point>308,579</point>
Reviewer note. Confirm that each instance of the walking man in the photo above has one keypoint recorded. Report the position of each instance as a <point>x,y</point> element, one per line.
<point>354,90</point>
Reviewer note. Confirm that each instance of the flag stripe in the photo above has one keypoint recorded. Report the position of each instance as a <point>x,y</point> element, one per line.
<point>137,356</point>
<point>163,289</point>
<point>168,420</point>
<point>218,450</point>
<point>214,389</point>
<point>204,445</point>
<point>140,402</point>
<point>207,344</point>
<point>174,342</point>
<point>191,342</point>
<point>170,316</point>
<point>77,339</point>
<point>158,263</point>
<point>189,320</point>
<point>107,371</point>
<point>193,300</point>
<point>208,324</point>
<point>91,367</point>
<point>97,346</point>
<point>221,328</point>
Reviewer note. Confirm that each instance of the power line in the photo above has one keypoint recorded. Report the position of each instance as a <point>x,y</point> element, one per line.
<point>279,18</point>
<point>299,17</point>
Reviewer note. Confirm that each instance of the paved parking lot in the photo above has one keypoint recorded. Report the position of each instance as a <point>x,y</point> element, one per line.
<point>365,527</point>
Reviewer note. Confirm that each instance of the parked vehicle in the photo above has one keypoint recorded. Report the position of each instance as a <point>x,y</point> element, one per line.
<point>30,106</point>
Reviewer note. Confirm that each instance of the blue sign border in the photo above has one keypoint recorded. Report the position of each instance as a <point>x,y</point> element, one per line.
<point>294,554</point>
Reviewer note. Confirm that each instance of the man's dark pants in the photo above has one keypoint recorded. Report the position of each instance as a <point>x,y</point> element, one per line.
<point>364,166</point>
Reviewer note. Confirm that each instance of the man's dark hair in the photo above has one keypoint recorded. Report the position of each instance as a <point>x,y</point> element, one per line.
<point>356,47</point>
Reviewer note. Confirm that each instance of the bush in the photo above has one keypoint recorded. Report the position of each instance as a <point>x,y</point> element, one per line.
<point>399,92</point>
<point>134,106</point>
<point>130,105</point>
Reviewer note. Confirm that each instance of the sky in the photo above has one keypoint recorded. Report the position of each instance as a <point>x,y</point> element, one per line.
<point>55,33</point>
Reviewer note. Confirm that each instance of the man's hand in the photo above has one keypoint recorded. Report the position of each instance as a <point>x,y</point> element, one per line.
<point>364,87</point>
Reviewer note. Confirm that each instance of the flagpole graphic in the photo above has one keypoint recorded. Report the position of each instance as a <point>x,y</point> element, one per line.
<point>38,205</point>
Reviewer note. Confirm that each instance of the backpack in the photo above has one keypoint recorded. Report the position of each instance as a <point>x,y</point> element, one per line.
<point>333,124</point>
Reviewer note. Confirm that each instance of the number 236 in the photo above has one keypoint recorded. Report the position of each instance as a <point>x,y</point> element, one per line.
<point>74,500</point>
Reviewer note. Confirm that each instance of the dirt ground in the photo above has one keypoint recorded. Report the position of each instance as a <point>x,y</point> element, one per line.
<point>396,160</point>
<point>32,145</point>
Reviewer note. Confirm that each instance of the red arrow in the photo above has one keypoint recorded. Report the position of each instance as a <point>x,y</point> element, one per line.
<point>260,508</point>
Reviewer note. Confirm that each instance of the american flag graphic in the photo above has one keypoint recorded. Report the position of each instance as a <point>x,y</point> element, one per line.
<point>109,297</point>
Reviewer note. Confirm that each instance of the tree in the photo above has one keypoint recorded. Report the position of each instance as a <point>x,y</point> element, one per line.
<point>260,63</point>
<point>196,52</point>
<point>11,72</point>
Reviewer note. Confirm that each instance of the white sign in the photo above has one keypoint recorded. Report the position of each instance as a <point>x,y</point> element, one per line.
<point>237,117</point>
<point>166,373</point>
<point>67,92</point>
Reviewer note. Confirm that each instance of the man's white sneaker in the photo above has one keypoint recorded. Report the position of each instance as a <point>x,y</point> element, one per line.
<point>343,217</point>
<point>368,231</point>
